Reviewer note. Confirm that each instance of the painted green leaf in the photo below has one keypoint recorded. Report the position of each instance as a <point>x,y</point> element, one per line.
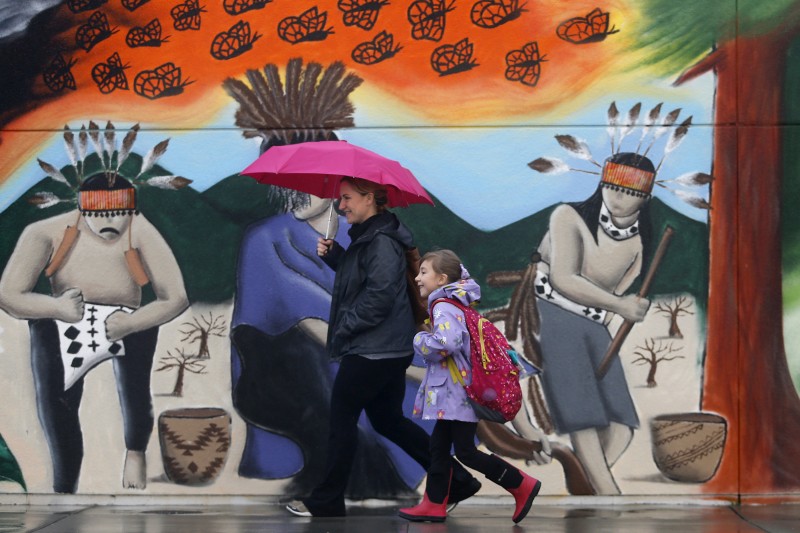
<point>9,469</point>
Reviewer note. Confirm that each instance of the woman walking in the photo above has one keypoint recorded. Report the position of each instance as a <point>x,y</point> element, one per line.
<point>371,332</point>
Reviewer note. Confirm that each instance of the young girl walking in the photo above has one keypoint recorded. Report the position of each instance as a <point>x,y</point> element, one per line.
<point>441,397</point>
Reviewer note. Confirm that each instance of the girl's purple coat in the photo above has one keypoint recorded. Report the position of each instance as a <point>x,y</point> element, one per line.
<point>440,397</point>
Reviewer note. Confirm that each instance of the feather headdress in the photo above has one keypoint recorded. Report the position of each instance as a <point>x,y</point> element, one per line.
<point>633,172</point>
<point>97,191</point>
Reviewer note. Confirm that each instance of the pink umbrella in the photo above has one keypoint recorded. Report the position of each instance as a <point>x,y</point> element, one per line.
<point>318,167</point>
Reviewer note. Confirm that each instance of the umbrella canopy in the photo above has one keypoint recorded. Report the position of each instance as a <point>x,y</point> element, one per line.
<point>318,167</point>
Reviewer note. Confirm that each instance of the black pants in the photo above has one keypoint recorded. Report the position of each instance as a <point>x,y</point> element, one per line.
<point>377,387</point>
<point>58,408</point>
<point>461,436</point>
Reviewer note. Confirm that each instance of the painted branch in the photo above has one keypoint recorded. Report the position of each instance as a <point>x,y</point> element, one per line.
<point>626,326</point>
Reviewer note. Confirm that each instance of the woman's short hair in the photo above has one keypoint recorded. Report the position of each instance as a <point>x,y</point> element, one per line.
<point>444,262</point>
<point>364,187</point>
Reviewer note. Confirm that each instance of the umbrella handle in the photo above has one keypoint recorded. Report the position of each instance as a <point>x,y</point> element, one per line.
<point>330,217</point>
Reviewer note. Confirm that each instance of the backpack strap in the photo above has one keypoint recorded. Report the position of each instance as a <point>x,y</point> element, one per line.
<point>455,374</point>
<point>450,301</point>
<point>481,342</point>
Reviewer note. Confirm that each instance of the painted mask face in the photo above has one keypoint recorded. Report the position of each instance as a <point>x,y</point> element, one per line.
<point>428,280</point>
<point>109,228</point>
<point>357,206</point>
<point>316,206</point>
<point>621,204</point>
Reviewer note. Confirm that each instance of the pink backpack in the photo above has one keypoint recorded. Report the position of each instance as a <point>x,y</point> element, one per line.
<point>494,393</point>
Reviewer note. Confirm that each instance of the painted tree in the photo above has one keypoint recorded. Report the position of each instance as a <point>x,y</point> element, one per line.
<point>746,376</point>
<point>653,353</point>
<point>200,331</point>
<point>182,363</point>
<point>673,309</point>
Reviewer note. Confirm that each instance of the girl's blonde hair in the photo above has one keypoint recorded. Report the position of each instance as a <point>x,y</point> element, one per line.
<point>444,262</point>
<point>365,187</point>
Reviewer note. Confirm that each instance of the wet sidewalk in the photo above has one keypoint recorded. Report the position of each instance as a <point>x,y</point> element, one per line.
<point>489,518</point>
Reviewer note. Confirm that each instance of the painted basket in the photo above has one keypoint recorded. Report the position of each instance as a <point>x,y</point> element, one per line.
<point>688,447</point>
<point>194,444</point>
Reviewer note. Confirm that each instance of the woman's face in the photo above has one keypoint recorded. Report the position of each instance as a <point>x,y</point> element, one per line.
<point>428,280</point>
<point>357,207</point>
<point>621,204</point>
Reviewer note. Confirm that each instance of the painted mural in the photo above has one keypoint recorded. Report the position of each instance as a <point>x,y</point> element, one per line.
<point>600,167</point>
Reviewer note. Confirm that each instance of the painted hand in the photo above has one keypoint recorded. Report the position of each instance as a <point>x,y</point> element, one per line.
<point>69,306</point>
<point>545,455</point>
<point>119,324</point>
<point>633,308</point>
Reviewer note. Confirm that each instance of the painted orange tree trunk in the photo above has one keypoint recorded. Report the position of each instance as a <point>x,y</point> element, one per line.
<point>746,376</point>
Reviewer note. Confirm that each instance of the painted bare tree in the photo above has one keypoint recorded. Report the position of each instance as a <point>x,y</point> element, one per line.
<point>653,353</point>
<point>201,330</point>
<point>677,307</point>
<point>183,363</point>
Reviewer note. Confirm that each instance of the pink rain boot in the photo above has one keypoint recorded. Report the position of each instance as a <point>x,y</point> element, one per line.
<point>524,495</point>
<point>425,511</point>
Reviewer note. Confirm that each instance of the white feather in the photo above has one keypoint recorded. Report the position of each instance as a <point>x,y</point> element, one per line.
<point>153,155</point>
<point>693,179</point>
<point>52,171</point>
<point>163,182</point>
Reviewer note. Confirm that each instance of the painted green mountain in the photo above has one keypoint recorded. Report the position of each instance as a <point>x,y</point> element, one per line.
<point>240,199</point>
<point>685,267</point>
<point>205,229</point>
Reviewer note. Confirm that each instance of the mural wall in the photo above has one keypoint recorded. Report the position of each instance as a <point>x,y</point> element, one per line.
<point>618,176</point>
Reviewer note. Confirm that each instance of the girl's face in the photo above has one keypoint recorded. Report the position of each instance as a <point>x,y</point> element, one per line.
<point>357,207</point>
<point>428,280</point>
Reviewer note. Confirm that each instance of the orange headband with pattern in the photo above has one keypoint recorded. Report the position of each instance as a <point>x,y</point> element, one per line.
<point>628,177</point>
<point>107,200</point>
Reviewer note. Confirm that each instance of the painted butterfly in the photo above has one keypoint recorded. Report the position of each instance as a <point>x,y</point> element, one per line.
<point>186,16</point>
<point>164,80</point>
<point>132,5</point>
<point>234,42</point>
<point>380,48</point>
<point>237,7</point>
<point>427,18</point>
<point>524,65</point>
<point>309,26</point>
<point>94,31</point>
<point>361,13</point>
<point>592,28</point>
<point>494,13</point>
<point>148,35</point>
<point>79,6</point>
<point>111,75</point>
<point>453,58</point>
<point>58,74</point>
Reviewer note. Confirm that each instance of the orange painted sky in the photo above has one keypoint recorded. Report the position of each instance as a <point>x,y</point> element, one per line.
<point>480,95</point>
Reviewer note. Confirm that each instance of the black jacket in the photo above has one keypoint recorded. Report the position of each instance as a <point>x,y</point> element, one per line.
<point>370,309</point>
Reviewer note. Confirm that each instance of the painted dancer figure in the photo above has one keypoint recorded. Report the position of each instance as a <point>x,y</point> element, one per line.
<point>591,255</point>
<point>108,253</point>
